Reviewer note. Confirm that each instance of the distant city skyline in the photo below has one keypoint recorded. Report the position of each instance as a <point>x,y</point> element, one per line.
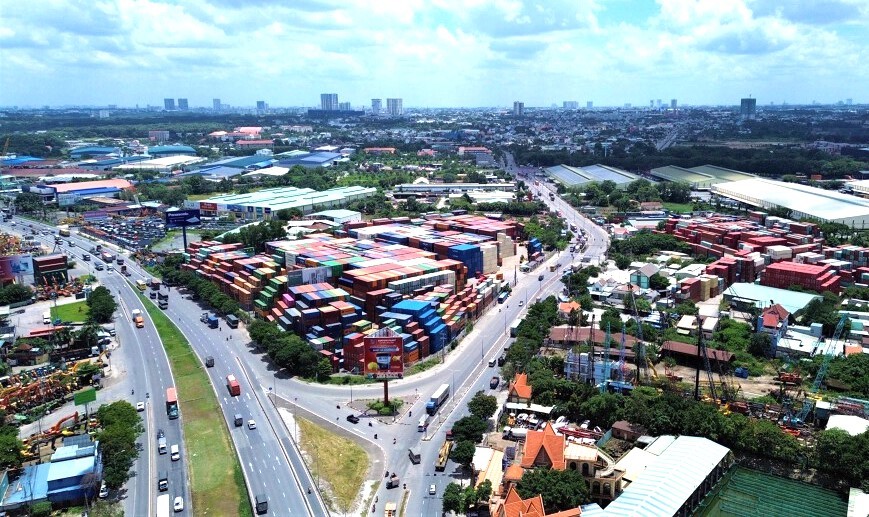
<point>434,54</point>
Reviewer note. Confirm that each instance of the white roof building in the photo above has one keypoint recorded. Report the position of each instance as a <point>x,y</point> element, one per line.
<point>802,200</point>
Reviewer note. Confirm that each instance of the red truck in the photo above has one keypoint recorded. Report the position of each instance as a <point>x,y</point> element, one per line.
<point>233,385</point>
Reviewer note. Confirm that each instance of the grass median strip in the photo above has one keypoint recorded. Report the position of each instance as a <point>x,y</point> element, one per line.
<point>75,311</point>
<point>216,486</point>
<point>338,461</point>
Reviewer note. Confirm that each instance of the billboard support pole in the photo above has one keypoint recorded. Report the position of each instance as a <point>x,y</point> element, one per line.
<point>184,236</point>
<point>385,392</point>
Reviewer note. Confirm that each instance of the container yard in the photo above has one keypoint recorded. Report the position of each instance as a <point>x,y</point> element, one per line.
<point>334,290</point>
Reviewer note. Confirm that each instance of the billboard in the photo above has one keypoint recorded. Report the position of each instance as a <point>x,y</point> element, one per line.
<point>95,216</point>
<point>181,218</point>
<point>383,358</point>
<point>309,275</point>
<point>12,266</point>
<point>203,205</point>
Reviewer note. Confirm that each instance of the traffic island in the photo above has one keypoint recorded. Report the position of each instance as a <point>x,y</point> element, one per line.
<point>216,480</point>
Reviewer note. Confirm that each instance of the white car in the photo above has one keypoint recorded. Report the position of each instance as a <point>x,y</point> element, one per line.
<point>432,490</point>
<point>251,424</point>
<point>178,505</point>
<point>104,490</point>
<point>521,303</point>
<point>140,406</point>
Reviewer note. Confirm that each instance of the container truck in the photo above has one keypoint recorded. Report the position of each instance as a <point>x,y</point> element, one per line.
<point>437,399</point>
<point>138,319</point>
<point>164,505</point>
<point>233,386</point>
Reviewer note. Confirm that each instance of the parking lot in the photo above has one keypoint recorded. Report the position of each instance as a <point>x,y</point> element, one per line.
<point>129,233</point>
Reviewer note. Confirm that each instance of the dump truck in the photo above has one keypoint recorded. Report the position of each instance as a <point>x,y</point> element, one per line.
<point>138,319</point>
<point>393,481</point>
<point>443,456</point>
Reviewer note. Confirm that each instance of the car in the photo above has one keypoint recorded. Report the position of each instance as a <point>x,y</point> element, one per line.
<point>251,424</point>
<point>140,406</point>
<point>353,419</point>
<point>104,490</point>
<point>110,268</point>
<point>521,303</point>
<point>160,433</point>
<point>432,490</point>
<point>178,505</point>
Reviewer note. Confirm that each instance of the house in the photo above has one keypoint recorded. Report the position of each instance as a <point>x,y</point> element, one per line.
<point>543,449</point>
<point>514,506</point>
<point>687,325</point>
<point>624,430</point>
<point>709,326</point>
<point>640,277</point>
<point>565,308</point>
<point>520,390</point>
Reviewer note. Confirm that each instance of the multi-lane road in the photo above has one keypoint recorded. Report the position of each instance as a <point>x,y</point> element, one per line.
<point>271,462</point>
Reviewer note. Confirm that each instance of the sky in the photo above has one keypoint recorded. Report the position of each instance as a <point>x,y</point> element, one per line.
<point>433,53</point>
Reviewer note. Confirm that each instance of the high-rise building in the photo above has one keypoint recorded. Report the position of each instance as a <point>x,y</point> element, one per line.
<point>849,102</point>
<point>328,101</point>
<point>169,104</point>
<point>518,108</point>
<point>658,103</point>
<point>215,104</point>
<point>261,105</point>
<point>673,103</point>
<point>394,107</point>
<point>589,104</point>
<point>570,105</point>
<point>344,106</point>
<point>747,107</point>
<point>651,103</point>
<point>376,106</point>
<point>182,104</point>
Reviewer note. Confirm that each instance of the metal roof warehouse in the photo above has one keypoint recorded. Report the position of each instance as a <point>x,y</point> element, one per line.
<point>803,201</point>
<point>573,176</point>
<point>262,203</point>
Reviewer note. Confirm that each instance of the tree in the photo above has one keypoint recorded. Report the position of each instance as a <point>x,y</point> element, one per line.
<point>10,451</point>
<point>121,426</point>
<point>483,406</point>
<point>28,202</point>
<point>560,489</point>
<point>658,282</point>
<point>622,261</point>
<point>463,453</point>
<point>469,428</point>
<point>101,305</point>
<point>14,293</point>
<point>453,499</point>
<point>760,344</point>
<point>484,491</point>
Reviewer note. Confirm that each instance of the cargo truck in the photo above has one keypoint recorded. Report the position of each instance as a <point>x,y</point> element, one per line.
<point>443,456</point>
<point>164,505</point>
<point>392,482</point>
<point>390,510</point>
<point>414,456</point>
<point>138,319</point>
<point>233,386</point>
<point>155,284</point>
<point>232,321</point>
<point>437,399</point>
<point>63,232</point>
<point>163,304</point>
<point>212,321</point>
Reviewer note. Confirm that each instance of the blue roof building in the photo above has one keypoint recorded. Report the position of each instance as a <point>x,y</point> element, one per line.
<point>256,161</point>
<point>311,160</point>
<point>92,150</point>
<point>19,160</point>
<point>214,173</point>
<point>171,150</point>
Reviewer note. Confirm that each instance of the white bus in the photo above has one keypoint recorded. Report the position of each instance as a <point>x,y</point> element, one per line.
<point>423,423</point>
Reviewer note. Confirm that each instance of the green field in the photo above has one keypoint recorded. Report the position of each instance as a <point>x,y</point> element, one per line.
<point>217,483</point>
<point>76,311</point>
<point>683,208</point>
<point>338,461</point>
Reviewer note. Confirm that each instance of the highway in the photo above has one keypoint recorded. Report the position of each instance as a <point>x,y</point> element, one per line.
<point>137,347</point>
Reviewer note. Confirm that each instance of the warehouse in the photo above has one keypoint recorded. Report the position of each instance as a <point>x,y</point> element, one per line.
<point>700,178</point>
<point>67,194</point>
<point>424,189</point>
<point>677,475</point>
<point>160,151</point>
<point>312,160</point>
<point>803,201</point>
<point>261,204</point>
<point>579,176</point>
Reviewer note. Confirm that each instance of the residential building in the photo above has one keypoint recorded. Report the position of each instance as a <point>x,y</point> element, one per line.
<point>261,106</point>
<point>158,136</point>
<point>640,277</point>
<point>520,390</point>
<point>672,103</point>
<point>570,105</point>
<point>747,108</point>
<point>394,107</point>
<point>329,101</point>
<point>215,103</point>
<point>169,104</point>
<point>518,108</point>
<point>344,106</point>
<point>376,106</point>
<point>182,105</point>
<point>589,105</point>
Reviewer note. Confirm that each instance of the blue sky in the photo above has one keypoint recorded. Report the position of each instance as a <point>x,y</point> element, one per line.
<point>433,53</point>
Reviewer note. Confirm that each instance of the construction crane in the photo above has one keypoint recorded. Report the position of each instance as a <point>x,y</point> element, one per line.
<point>606,361</point>
<point>621,373</point>
<point>642,360</point>
<point>829,352</point>
<point>704,357</point>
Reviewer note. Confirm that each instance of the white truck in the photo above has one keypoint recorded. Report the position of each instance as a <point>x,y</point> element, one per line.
<point>164,505</point>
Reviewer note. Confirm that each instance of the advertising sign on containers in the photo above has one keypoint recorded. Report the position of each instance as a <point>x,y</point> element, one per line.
<point>14,265</point>
<point>310,275</point>
<point>95,216</point>
<point>212,207</point>
<point>182,218</point>
<point>383,355</point>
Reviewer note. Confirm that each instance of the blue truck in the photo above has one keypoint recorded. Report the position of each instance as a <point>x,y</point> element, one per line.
<point>210,320</point>
<point>437,399</point>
